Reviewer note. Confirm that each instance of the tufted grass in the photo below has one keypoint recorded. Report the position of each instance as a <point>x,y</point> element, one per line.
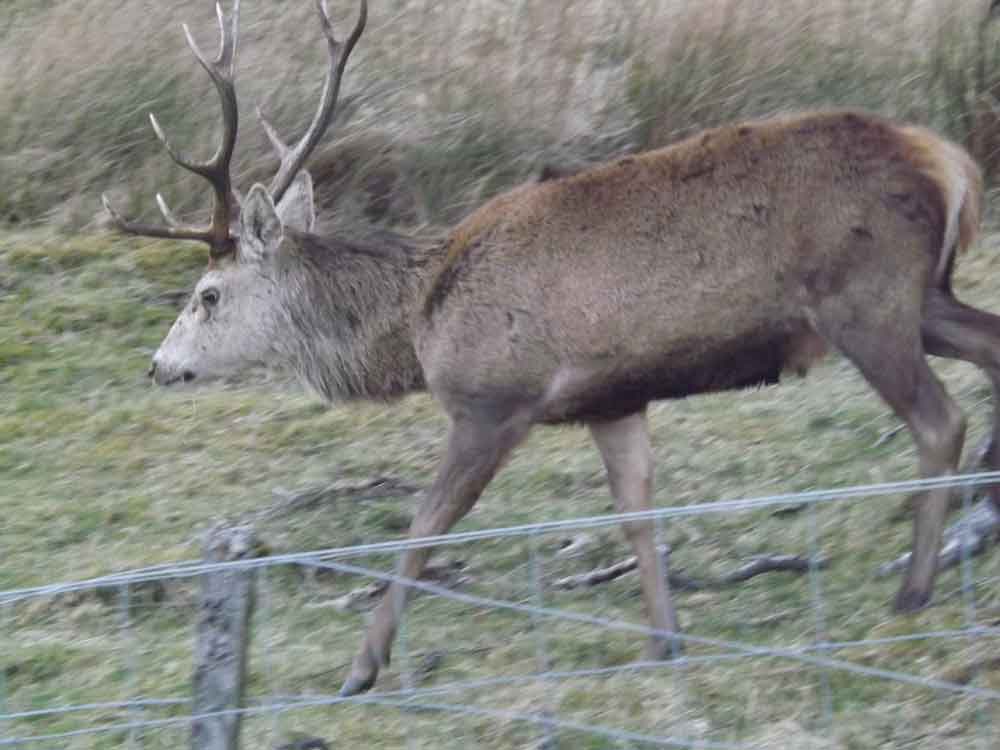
<point>101,473</point>
<point>455,102</point>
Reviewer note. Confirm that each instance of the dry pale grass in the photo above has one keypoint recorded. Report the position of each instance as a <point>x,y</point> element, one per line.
<point>465,98</point>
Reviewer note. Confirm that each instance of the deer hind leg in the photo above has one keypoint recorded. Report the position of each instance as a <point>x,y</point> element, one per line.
<point>476,449</point>
<point>951,329</point>
<point>885,344</point>
<point>624,446</point>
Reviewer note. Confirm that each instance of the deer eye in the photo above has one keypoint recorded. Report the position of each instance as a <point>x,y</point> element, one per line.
<point>210,297</point>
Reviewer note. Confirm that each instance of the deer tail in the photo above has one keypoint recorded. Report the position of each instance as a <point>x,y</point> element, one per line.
<point>960,183</point>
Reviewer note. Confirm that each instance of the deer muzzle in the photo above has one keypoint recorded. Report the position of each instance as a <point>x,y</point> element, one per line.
<point>166,376</point>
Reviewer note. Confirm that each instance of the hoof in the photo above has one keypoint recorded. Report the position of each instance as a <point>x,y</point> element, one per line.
<point>355,686</point>
<point>910,601</point>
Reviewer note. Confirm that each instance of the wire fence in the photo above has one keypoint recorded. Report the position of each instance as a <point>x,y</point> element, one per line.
<point>700,698</point>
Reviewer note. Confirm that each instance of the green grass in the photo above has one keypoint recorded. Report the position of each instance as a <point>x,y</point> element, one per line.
<point>101,473</point>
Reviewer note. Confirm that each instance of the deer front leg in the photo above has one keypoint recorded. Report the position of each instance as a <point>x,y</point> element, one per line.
<point>476,449</point>
<point>628,458</point>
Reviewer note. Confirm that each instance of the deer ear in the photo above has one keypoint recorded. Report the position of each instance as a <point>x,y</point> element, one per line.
<point>297,209</point>
<point>260,226</point>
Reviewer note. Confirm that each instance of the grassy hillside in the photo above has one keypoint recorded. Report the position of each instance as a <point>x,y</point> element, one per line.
<point>103,473</point>
<point>99,472</point>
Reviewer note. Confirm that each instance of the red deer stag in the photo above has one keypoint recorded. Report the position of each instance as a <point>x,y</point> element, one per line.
<point>716,263</point>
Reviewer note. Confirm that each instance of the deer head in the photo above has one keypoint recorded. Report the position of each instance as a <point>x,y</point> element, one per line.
<point>237,310</point>
<point>235,316</point>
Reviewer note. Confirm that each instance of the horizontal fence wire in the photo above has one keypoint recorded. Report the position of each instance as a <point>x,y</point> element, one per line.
<point>191,569</point>
<point>463,686</point>
<point>408,703</point>
<point>798,655</point>
<point>819,654</point>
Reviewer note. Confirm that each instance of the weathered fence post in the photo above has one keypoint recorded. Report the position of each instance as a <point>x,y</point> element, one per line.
<point>221,639</point>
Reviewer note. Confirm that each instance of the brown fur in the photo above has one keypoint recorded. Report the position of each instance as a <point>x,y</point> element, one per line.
<point>715,263</point>
<point>693,268</point>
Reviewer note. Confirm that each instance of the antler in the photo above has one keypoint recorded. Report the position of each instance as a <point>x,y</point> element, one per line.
<point>215,170</point>
<point>293,158</point>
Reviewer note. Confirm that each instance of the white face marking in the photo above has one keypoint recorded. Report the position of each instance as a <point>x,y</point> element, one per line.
<point>233,319</point>
<point>226,327</point>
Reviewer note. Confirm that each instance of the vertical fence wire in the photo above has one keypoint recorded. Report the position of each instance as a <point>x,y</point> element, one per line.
<point>747,635</point>
<point>819,615</point>
<point>543,663</point>
<point>130,655</point>
<point>969,604</point>
<point>402,639</point>
<point>968,581</point>
<point>676,650</point>
<point>265,608</point>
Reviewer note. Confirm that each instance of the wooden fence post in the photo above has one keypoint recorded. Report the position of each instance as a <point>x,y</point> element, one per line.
<point>221,639</point>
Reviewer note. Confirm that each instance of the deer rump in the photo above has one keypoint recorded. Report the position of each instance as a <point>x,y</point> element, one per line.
<point>714,264</point>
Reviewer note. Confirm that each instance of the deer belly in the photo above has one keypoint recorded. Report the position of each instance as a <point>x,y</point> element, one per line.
<point>620,386</point>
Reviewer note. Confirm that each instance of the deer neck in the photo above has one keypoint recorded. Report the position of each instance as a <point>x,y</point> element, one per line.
<point>349,307</point>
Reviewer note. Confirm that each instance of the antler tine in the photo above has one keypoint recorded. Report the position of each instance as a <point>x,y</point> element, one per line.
<point>216,169</point>
<point>292,159</point>
<point>168,215</point>
<point>272,135</point>
<point>173,232</point>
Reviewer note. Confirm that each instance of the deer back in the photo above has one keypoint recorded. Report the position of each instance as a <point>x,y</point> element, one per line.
<point>693,268</point>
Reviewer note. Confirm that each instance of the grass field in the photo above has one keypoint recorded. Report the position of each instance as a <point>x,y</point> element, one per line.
<point>102,473</point>
<point>99,472</point>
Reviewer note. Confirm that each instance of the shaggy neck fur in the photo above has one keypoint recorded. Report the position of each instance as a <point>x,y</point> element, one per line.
<point>348,308</point>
